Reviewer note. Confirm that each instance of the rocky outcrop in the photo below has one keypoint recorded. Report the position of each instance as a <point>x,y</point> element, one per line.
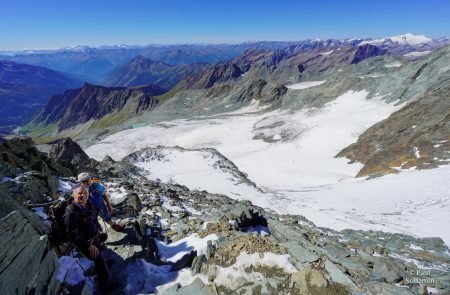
<point>31,176</point>
<point>19,155</point>
<point>27,263</point>
<point>219,73</point>
<point>415,136</point>
<point>250,250</point>
<point>327,262</point>
<point>67,151</point>
<point>367,51</point>
<point>92,102</point>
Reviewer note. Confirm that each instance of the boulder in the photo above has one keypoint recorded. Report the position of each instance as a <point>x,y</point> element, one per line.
<point>66,150</point>
<point>303,280</point>
<point>197,263</point>
<point>245,214</point>
<point>389,270</point>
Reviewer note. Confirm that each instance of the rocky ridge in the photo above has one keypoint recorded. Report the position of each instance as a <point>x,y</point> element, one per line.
<point>409,138</point>
<point>248,250</point>
<point>93,102</point>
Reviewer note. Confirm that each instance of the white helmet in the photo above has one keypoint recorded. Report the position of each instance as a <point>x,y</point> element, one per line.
<point>83,176</point>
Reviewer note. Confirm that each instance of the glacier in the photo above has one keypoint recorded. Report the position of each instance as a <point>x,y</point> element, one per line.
<point>290,157</point>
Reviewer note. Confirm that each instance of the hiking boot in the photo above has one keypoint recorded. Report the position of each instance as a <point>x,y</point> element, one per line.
<point>118,227</point>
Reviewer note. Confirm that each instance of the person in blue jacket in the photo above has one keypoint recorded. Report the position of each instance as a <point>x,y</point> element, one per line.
<point>99,199</point>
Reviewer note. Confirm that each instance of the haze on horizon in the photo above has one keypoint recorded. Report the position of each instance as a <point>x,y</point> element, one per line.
<point>32,24</point>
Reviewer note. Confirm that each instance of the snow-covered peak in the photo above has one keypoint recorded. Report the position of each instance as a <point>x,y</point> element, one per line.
<point>411,39</point>
<point>405,39</point>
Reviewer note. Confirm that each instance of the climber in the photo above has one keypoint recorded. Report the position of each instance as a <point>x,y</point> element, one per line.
<point>99,198</point>
<point>85,233</point>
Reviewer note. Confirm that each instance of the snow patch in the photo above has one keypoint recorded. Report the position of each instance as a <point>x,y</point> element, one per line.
<point>418,53</point>
<point>39,211</point>
<point>304,85</point>
<point>65,186</point>
<point>327,52</point>
<point>144,277</point>
<point>406,39</point>
<point>259,229</point>
<point>415,247</point>
<point>175,251</point>
<point>235,275</point>
<point>393,65</point>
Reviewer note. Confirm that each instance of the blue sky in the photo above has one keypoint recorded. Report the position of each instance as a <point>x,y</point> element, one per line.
<point>59,23</point>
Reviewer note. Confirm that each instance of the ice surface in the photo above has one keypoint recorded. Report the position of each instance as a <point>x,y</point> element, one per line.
<point>299,173</point>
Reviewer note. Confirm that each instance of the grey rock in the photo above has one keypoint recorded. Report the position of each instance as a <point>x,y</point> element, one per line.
<point>34,187</point>
<point>197,263</point>
<point>196,287</point>
<point>423,290</point>
<point>306,278</point>
<point>388,270</point>
<point>27,264</point>
<point>66,150</point>
<point>209,249</point>
<point>376,288</point>
<point>338,275</point>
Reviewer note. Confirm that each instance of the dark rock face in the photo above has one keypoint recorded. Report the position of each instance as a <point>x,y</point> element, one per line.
<point>27,263</point>
<point>219,73</point>
<point>35,174</point>
<point>93,102</point>
<point>34,187</point>
<point>67,150</point>
<point>367,51</point>
<point>19,155</point>
<point>415,136</point>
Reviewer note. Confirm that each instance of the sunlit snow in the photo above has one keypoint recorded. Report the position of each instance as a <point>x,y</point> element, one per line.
<point>304,85</point>
<point>298,172</point>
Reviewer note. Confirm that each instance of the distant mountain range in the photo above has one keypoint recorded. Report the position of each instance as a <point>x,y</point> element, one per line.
<point>24,89</point>
<point>141,70</point>
<point>256,74</point>
<point>92,64</point>
<point>170,82</point>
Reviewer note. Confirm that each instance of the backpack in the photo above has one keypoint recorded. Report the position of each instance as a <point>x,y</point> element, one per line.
<point>56,212</point>
<point>97,180</point>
